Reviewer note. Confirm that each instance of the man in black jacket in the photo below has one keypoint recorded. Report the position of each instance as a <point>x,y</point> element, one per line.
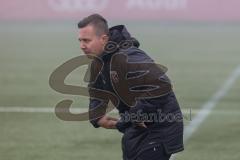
<point>150,116</point>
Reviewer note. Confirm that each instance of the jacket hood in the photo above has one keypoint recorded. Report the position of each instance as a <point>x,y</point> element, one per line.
<point>120,33</point>
<point>119,38</point>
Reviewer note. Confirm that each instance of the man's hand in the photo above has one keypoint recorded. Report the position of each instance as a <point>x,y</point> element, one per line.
<point>141,124</point>
<point>108,122</point>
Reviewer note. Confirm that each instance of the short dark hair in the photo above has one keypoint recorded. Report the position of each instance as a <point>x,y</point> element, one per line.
<point>99,23</point>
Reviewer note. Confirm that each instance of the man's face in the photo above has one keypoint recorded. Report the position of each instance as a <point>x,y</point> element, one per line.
<point>90,42</point>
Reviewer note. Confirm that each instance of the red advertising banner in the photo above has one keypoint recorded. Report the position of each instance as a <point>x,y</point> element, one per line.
<point>187,10</point>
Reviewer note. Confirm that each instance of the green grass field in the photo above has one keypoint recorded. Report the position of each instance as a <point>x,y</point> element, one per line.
<point>200,58</point>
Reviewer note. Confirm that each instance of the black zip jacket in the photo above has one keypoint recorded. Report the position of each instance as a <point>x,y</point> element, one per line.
<point>167,130</point>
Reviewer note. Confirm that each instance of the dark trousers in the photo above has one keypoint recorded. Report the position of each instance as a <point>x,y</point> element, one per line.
<point>154,153</point>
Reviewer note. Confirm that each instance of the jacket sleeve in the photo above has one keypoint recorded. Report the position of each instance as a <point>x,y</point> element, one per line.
<point>92,105</point>
<point>94,82</point>
<point>122,125</point>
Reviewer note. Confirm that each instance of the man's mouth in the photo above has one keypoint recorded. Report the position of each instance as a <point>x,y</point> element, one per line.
<point>86,51</point>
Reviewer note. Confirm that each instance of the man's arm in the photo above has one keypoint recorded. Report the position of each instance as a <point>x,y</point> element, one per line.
<point>111,123</point>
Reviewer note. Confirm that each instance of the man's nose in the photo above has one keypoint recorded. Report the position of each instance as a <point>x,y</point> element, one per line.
<point>82,46</point>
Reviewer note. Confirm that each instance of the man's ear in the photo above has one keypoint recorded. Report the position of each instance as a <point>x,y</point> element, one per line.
<point>105,38</point>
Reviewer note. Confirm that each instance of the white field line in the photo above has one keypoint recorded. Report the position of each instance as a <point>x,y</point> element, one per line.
<point>209,105</point>
<point>23,109</point>
<point>187,112</point>
<point>26,109</point>
<point>38,109</point>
